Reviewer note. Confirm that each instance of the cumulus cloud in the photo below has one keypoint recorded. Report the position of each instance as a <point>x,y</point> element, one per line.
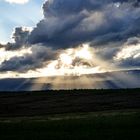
<point>17,1</point>
<point>111,27</point>
<point>20,37</point>
<point>67,23</point>
<point>25,58</point>
<point>129,54</point>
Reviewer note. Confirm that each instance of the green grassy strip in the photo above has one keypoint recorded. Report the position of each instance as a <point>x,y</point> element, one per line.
<point>91,126</point>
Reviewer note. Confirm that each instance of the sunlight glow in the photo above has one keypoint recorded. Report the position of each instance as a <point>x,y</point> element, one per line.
<point>6,55</point>
<point>69,62</point>
<point>66,59</point>
<point>73,61</point>
<point>84,52</point>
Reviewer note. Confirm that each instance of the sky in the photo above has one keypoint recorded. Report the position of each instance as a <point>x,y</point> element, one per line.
<point>68,37</point>
<point>16,13</point>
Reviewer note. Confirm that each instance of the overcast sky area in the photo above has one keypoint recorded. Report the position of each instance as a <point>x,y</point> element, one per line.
<point>43,38</point>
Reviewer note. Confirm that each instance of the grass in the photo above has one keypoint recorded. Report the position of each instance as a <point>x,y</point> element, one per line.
<point>67,101</point>
<point>88,126</point>
<point>65,115</point>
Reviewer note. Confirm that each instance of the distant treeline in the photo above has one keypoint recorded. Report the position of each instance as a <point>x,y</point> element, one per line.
<point>75,91</point>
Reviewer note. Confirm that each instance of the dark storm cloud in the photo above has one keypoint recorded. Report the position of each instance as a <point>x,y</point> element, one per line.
<point>129,54</point>
<point>130,62</point>
<point>107,25</point>
<point>133,41</point>
<point>68,23</point>
<point>36,59</point>
<point>20,37</point>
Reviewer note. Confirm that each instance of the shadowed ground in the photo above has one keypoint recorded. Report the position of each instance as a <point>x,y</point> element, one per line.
<point>58,102</point>
<point>71,115</point>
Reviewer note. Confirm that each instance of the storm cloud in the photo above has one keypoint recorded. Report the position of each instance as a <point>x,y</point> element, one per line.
<point>129,54</point>
<point>20,38</point>
<point>36,57</point>
<point>111,27</point>
<point>67,23</point>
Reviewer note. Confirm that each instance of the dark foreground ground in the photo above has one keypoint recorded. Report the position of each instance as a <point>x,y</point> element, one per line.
<point>77,114</point>
<point>58,102</point>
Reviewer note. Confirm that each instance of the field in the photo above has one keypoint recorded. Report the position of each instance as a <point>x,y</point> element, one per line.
<point>76,114</point>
